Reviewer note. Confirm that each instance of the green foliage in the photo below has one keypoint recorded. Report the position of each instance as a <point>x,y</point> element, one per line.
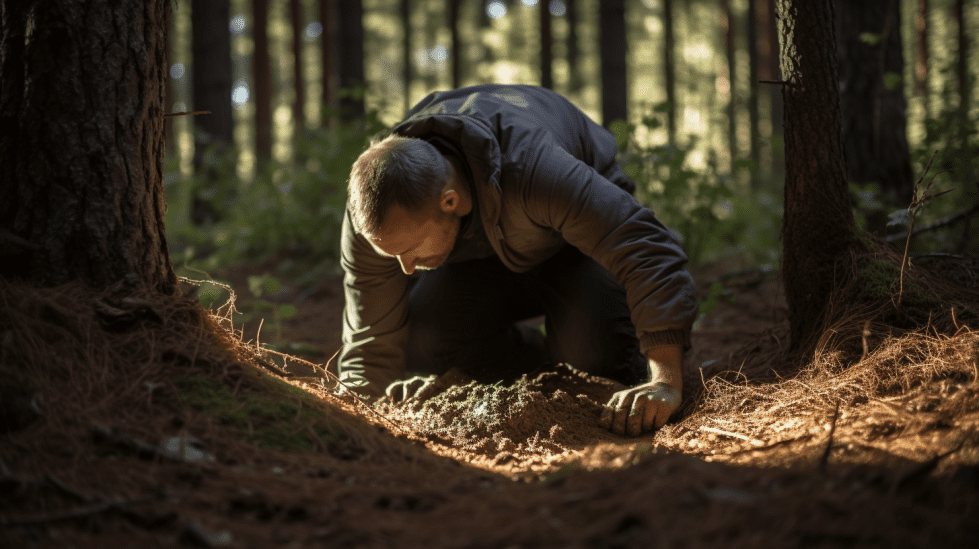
<point>709,211</point>
<point>214,218</point>
<point>282,421</point>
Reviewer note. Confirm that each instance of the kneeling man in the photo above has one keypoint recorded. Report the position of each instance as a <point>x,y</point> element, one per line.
<point>493,204</point>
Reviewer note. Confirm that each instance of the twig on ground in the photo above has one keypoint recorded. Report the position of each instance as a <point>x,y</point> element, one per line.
<point>824,460</point>
<point>753,441</point>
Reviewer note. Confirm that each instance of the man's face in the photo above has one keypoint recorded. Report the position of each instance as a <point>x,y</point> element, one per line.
<point>418,241</point>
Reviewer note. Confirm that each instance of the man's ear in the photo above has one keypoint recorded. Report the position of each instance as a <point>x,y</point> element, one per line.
<point>449,201</point>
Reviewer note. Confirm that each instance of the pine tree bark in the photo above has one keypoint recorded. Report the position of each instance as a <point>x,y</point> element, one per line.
<point>82,141</point>
<point>872,96</point>
<point>613,53</point>
<point>818,227</point>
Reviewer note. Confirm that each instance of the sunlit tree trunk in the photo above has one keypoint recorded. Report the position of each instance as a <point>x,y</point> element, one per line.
<point>574,74</point>
<point>611,23</point>
<point>546,38</point>
<point>818,227</point>
<point>298,82</point>
<point>262,76</point>
<point>872,96</point>
<point>406,51</point>
<point>350,23</point>
<point>81,142</point>
<point>328,58</point>
<point>669,69</point>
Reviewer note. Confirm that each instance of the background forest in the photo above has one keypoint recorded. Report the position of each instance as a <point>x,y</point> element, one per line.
<point>691,88</point>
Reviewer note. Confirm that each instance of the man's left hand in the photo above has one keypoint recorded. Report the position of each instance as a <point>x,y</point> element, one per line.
<point>646,407</point>
<point>640,409</point>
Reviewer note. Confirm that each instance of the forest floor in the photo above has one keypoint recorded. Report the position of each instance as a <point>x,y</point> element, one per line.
<point>131,420</point>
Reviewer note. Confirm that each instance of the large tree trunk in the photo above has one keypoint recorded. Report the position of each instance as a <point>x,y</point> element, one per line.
<point>611,22</point>
<point>351,60</point>
<point>81,142</point>
<point>872,97</point>
<point>818,226</point>
<point>262,75</point>
<point>211,73</point>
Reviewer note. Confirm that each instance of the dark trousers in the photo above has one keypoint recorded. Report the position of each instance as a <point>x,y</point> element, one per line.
<point>464,315</point>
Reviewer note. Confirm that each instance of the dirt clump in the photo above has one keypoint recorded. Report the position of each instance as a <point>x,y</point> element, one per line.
<point>550,414</point>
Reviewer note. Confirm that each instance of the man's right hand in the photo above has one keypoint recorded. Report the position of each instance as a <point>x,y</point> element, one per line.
<point>406,388</point>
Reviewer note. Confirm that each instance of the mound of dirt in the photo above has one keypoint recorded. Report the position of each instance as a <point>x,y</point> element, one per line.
<point>538,420</point>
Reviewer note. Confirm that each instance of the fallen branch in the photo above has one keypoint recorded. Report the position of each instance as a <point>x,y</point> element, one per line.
<point>941,224</point>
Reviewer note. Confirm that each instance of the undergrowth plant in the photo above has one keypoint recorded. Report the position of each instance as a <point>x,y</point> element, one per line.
<point>712,214</point>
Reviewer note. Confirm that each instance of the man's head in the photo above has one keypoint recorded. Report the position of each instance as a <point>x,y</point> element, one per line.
<point>408,200</point>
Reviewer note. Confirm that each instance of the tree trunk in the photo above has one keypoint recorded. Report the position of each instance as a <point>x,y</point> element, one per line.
<point>818,227</point>
<point>81,142</point>
<point>546,38</point>
<point>611,22</point>
<point>574,74</point>
<point>754,125</point>
<point>211,73</point>
<point>732,106</point>
<point>406,51</point>
<point>328,58</point>
<point>775,95</point>
<point>872,97</point>
<point>350,21</point>
<point>669,70</point>
<point>921,66</point>
<point>262,75</point>
<point>298,82</point>
<point>456,45</point>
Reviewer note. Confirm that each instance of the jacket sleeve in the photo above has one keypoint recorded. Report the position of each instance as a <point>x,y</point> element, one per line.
<point>375,315</point>
<point>608,224</point>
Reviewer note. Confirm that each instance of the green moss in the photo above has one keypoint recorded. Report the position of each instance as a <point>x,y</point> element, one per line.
<point>274,419</point>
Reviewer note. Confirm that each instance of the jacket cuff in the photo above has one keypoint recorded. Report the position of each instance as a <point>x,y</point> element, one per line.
<point>648,340</point>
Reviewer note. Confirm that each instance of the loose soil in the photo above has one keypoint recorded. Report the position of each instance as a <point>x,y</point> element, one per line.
<point>131,419</point>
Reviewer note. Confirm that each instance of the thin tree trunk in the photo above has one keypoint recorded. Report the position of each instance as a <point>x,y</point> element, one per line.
<point>818,226</point>
<point>406,51</point>
<point>669,70</point>
<point>962,65</point>
<point>613,52</point>
<point>328,59</point>
<point>574,74</point>
<point>456,45</point>
<point>921,66</point>
<point>732,106</point>
<point>298,82</point>
<point>778,112</point>
<point>262,75</point>
<point>754,123</point>
<point>351,33</point>
<point>81,143</point>
<point>874,107</point>
<point>211,73</point>
<point>546,38</point>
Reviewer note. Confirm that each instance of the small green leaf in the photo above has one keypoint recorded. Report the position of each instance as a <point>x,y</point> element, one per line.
<point>287,310</point>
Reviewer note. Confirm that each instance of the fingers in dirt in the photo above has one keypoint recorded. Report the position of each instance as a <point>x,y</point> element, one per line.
<point>622,411</point>
<point>634,425</point>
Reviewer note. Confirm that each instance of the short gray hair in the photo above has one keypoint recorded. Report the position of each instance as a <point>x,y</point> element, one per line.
<point>404,171</point>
